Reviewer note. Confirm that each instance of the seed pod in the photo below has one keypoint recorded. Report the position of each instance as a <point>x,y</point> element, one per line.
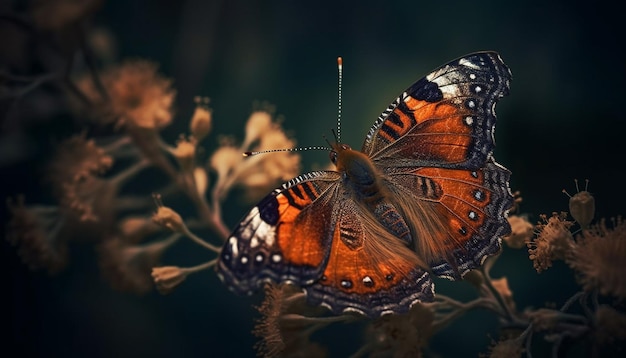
<point>582,206</point>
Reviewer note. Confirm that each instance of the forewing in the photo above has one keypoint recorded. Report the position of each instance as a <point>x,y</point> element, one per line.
<point>445,119</point>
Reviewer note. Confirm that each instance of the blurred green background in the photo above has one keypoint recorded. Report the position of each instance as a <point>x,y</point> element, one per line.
<point>564,119</point>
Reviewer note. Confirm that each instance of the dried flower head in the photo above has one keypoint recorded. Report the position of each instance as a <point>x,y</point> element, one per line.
<point>127,267</point>
<point>185,154</point>
<point>74,171</point>
<point>582,206</point>
<point>256,173</point>
<point>599,257</point>
<point>167,217</point>
<point>167,278</point>
<point>521,232</point>
<point>200,124</point>
<point>256,126</point>
<point>35,230</point>
<point>139,98</point>
<point>260,173</point>
<point>225,159</point>
<point>57,14</point>
<point>553,242</point>
<point>402,335</point>
<point>77,158</point>
<point>282,328</point>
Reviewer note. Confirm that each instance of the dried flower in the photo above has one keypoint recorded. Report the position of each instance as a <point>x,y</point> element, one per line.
<point>553,242</point>
<point>200,124</point>
<point>258,123</point>
<point>599,257</point>
<point>78,158</point>
<point>167,278</point>
<point>35,230</point>
<point>185,154</point>
<point>521,232</point>
<point>127,267</point>
<point>581,206</point>
<point>260,173</point>
<point>140,98</point>
<point>168,218</point>
<point>257,173</point>
<point>224,160</point>
<point>73,173</point>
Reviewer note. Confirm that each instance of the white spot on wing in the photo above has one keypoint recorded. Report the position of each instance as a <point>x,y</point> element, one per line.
<point>233,246</point>
<point>467,63</point>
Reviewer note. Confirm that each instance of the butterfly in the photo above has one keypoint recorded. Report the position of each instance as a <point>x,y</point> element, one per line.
<point>423,197</point>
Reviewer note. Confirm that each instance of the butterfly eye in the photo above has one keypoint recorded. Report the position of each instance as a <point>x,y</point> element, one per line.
<point>333,156</point>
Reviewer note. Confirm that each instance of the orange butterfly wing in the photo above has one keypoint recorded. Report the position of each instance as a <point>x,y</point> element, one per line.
<point>434,144</point>
<point>285,238</point>
<point>458,215</point>
<point>446,119</point>
<point>369,270</point>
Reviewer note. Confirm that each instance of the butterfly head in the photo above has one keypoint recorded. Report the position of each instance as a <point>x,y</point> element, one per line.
<point>354,165</point>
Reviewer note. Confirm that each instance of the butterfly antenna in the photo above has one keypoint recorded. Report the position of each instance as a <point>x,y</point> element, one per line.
<point>298,149</point>
<point>340,69</point>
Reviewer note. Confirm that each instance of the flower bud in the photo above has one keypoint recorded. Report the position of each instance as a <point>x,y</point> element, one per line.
<point>185,153</point>
<point>201,121</point>
<point>168,218</point>
<point>582,207</point>
<point>521,232</point>
<point>167,278</point>
<point>258,123</point>
<point>224,160</point>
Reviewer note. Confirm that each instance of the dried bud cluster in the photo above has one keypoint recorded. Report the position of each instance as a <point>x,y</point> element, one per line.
<point>553,242</point>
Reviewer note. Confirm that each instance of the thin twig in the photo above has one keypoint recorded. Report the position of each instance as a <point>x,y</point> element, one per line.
<point>195,238</point>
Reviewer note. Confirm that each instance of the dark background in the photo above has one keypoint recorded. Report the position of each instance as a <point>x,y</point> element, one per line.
<point>564,119</point>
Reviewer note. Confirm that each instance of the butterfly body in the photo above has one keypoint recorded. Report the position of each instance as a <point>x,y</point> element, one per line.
<point>424,197</point>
